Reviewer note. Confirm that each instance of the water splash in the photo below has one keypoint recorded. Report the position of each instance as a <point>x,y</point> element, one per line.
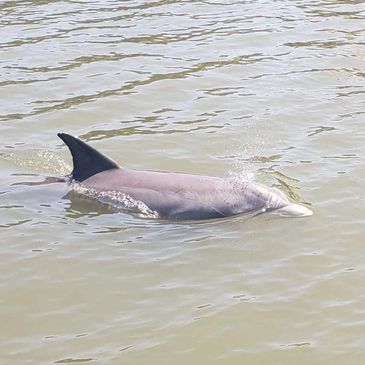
<point>250,164</point>
<point>39,160</point>
<point>117,200</point>
<point>244,161</point>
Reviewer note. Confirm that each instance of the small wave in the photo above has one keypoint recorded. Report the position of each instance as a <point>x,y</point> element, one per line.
<point>117,200</point>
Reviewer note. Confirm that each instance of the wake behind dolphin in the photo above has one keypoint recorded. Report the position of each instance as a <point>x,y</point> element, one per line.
<point>174,195</point>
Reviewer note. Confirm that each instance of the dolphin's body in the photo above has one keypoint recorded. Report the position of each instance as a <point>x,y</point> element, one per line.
<point>176,195</point>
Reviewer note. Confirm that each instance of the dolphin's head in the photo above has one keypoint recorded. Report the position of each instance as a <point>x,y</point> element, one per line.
<point>280,204</point>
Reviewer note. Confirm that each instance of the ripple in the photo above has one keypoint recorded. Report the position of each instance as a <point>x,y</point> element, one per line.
<point>14,224</point>
<point>128,87</point>
<point>72,360</point>
<point>273,90</point>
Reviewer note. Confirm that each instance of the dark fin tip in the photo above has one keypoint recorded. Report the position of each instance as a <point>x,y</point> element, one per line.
<point>86,160</point>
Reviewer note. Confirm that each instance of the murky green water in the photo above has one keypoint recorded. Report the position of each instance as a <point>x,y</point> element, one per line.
<point>270,90</point>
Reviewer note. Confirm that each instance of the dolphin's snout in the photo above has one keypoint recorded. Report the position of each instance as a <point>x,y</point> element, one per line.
<point>294,210</point>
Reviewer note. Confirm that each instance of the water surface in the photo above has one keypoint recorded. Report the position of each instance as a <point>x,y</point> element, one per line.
<point>271,91</point>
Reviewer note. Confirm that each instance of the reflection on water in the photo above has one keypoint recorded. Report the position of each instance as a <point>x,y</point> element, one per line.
<point>264,90</point>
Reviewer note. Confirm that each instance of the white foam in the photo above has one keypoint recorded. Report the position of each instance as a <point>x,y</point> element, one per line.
<point>116,199</point>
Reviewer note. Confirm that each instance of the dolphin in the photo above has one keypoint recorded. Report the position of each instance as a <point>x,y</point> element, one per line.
<point>173,195</point>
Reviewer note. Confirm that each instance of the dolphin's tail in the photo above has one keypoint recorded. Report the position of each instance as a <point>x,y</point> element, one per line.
<point>294,210</point>
<point>86,160</point>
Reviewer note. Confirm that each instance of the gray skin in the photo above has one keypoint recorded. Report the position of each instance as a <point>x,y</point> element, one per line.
<point>175,195</point>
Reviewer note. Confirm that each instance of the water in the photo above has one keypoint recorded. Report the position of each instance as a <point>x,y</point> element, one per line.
<point>272,91</point>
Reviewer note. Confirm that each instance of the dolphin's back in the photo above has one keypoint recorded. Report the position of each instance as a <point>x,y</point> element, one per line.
<point>179,195</point>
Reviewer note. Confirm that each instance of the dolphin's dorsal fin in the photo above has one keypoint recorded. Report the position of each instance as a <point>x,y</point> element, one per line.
<point>87,161</point>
